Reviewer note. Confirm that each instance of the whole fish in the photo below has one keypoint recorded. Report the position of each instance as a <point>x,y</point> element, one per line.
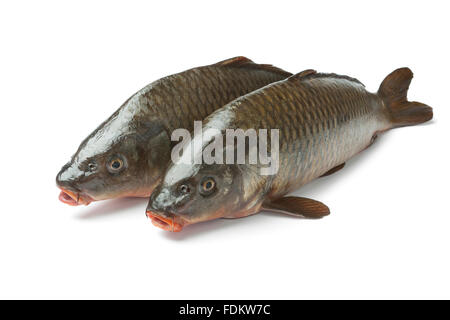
<point>323,120</point>
<point>127,154</point>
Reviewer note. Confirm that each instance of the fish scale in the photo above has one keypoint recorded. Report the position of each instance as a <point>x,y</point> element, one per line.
<point>323,120</point>
<point>318,111</point>
<point>136,138</point>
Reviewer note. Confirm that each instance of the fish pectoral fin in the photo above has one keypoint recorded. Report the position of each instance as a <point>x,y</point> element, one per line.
<point>335,169</point>
<point>298,206</point>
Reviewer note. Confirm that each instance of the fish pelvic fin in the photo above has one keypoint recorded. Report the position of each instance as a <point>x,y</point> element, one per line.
<point>333,170</point>
<point>393,90</point>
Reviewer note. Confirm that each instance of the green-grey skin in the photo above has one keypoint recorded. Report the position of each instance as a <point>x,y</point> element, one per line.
<point>127,154</point>
<point>323,120</point>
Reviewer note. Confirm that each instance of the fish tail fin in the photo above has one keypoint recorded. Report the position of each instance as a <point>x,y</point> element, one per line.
<point>393,91</point>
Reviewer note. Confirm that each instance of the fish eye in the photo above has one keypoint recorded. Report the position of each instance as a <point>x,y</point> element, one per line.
<point>207,186</point>
<point>184,188</point>
<point>116,164</point>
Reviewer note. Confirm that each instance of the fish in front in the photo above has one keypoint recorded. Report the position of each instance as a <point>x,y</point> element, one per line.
<point>323,120</point>
<point>127,154</point>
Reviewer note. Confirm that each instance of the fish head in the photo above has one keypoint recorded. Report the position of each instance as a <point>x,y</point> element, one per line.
<point>190,194</point>
<point>193,193</point>
<point>115,163</point>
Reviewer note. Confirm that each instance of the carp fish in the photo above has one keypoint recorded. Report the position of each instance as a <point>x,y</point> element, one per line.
<point>127,154</point>
<point>323,121</point>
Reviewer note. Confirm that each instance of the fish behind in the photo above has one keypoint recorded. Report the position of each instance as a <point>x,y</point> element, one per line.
<point>127,154</point>
<point>323,120</point>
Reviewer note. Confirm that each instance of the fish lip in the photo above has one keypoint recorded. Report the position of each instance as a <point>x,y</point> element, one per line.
<point>163,222</point>
<point>73,198</point>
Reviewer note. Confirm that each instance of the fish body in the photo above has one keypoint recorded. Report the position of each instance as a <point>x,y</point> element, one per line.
<point>127,154</point>
<point>323,120</point>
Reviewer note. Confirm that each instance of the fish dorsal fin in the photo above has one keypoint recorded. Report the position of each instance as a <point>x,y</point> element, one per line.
<point>312,74</point>
<point>234,62</point>
<point>243,62</point>
<point>302,75</point>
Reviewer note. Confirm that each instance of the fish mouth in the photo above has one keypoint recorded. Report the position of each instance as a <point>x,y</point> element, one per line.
<point>73,199</point>
<point>165,223</point>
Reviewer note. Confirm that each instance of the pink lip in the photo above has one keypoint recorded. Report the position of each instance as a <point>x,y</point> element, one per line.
<point>164,223</point>
<point>72,198</point>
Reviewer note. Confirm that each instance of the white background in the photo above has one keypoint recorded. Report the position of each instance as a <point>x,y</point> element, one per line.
<point>66,66</point>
